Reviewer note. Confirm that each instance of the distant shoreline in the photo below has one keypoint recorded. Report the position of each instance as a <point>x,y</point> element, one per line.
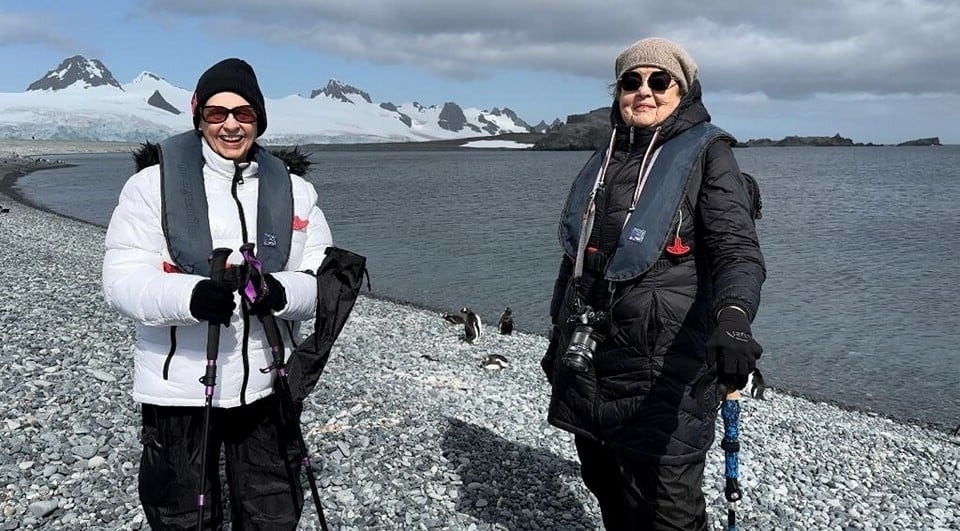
<point>13,148</point>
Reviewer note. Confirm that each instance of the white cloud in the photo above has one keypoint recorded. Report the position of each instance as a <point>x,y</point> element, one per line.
<point>786,50</point>
<point>21,28</point>
<point>800,56</point>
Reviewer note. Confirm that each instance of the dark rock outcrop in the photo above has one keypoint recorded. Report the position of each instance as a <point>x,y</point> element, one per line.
<point>157,100</point>
<point>803,141</point>
<point>506,111</point>
<point>489,127</point>
<point>400,116</point>
<point>581,132</point>
<point>544,127</point>
<point>76,70</point>
<point>452,117</point>
<point>339,91</point>
<point>931,141</point>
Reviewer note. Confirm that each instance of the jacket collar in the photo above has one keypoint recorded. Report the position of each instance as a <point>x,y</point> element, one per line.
<point>225,167</point>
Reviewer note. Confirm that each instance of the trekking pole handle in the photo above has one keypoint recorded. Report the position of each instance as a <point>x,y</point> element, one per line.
<point>218,265</point>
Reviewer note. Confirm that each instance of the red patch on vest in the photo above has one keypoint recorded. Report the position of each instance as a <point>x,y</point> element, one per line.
<point>170,268</point>
<point>300,224</point>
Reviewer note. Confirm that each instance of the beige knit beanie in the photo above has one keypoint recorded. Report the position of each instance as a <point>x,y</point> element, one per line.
<point>660,53</point>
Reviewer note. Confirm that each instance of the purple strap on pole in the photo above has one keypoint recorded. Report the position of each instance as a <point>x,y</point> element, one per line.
<point>255,286</point>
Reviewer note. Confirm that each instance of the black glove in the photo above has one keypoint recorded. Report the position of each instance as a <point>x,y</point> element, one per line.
<point>273,300</point>
<point>732,348</point>
<point>212,302</point>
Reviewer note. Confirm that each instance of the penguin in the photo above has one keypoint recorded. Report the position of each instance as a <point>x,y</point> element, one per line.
<point>756,385</point>
<point>455,318</point>
<point>472,327</point>
<point>494,362</point>
<point>506,322</point>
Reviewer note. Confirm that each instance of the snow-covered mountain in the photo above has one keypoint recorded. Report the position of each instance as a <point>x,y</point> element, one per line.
<point>81,100</point>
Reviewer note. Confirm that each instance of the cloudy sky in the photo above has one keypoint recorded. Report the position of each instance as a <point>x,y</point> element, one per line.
<point>880,71</point>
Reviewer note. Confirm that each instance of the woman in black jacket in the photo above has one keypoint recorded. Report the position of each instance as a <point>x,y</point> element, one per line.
<point>658,285</point>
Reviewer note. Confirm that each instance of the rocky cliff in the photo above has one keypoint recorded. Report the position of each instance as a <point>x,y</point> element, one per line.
<point>581,132</point>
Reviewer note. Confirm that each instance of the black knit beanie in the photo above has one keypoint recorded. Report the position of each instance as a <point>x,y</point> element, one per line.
<point>230,75</point>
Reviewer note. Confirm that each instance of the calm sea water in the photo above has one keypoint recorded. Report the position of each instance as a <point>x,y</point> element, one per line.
<point>861,245</point>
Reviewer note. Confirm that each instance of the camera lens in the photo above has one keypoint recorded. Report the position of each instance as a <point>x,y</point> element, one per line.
<point>579,354</point>
<point>576,360</point>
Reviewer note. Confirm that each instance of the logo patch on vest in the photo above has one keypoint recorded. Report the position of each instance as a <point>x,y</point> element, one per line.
<point>269,239</point>
<point>300,224</point>
<point>637,234</point>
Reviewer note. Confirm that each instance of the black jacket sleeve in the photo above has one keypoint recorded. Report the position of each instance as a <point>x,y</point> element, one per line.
<point>560,288</point>
<point>729,232</point>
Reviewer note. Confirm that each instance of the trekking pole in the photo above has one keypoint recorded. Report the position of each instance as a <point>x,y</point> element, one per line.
<point>218,264</point>
<point>252,293</point>
<point>272,331</point>
<point>731,447</point>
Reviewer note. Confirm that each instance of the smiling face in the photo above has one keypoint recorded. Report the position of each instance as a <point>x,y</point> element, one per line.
<point>230,139</point>
<point>644,107</point>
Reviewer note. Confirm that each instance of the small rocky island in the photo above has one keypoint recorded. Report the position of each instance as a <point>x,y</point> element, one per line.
<point>803,141</point>
<point>932,141</point>
<point>828,141</point>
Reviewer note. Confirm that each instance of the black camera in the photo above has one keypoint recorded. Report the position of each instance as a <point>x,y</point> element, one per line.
<point>583,340</point>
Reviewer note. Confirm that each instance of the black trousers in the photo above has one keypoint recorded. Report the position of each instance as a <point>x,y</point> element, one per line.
<point>262,460</point>
<point>636,496</point>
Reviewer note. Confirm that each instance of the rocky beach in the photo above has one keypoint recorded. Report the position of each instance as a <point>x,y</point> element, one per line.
<point>406,429</point>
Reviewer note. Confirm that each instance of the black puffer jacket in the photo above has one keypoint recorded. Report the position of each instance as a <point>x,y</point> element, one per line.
<point>648,394</point>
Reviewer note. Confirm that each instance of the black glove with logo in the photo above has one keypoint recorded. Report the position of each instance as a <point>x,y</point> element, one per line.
<point>732,349</point>
<point>273,300</point>
<point>212,302</point>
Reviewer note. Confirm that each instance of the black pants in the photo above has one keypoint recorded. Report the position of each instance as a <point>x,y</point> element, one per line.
<point>262,467</point>
<point>643,496</point>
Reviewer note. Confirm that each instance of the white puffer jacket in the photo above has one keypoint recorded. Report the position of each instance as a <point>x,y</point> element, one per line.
<point>136,285</point>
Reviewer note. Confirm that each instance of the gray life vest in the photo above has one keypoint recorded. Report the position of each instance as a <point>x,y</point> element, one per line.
<point>184,214</point>
<point>645,234</point>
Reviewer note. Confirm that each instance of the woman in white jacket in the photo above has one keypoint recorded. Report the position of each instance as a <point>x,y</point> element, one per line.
<point>214,187</point>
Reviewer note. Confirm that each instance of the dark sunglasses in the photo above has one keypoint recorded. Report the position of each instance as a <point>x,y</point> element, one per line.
<point>658,81</point>
<point>215,114</point>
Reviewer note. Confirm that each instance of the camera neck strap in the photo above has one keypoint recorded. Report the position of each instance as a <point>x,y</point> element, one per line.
<point>586,225</point>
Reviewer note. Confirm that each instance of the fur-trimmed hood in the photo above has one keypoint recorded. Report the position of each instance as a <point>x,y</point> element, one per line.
<point>297,161</point>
